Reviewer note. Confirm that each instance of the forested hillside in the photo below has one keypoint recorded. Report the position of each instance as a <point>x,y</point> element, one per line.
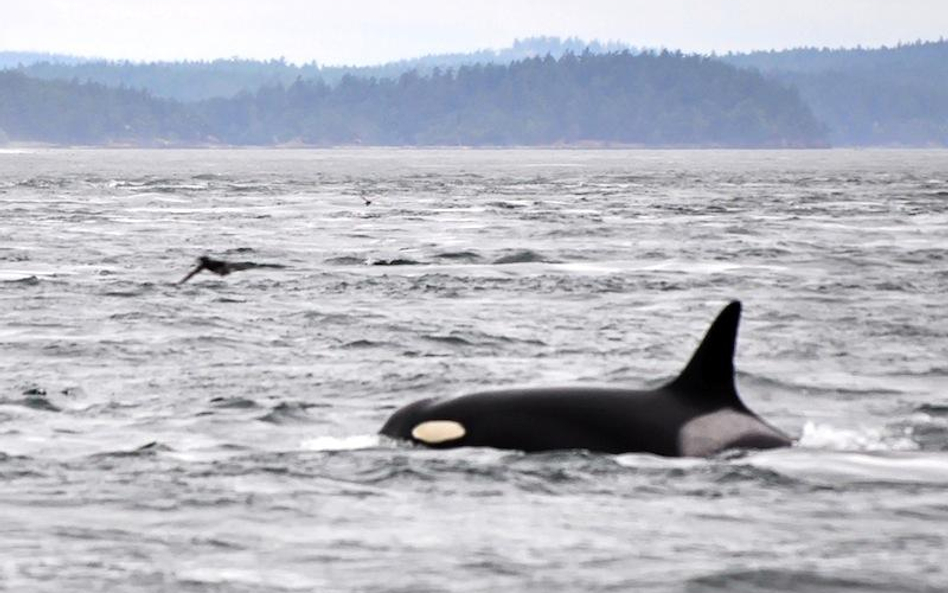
<point>62,112</point>
<point>647,99</point>
<point>197,80</point>
<point>885,96</point>
<point>889,96</point>
<point>665,99</point>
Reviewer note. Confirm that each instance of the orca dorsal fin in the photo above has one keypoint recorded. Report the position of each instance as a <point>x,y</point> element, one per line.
<point>709,375</point>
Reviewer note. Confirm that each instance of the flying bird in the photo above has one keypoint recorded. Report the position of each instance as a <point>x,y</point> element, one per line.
<point>365,200</point>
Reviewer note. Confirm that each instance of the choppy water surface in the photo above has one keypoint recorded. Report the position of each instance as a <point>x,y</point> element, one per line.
<point>219,436</point>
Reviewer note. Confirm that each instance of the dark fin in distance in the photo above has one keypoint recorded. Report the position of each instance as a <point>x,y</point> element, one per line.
<point>223,268</point>
<point>709,375</point>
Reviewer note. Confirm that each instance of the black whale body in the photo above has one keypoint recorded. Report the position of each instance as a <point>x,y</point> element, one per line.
<point>699,413</point>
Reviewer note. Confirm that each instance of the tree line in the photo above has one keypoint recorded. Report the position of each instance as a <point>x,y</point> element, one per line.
<point>198,80</point>
<point>647,99</point>
<point>882,96</point>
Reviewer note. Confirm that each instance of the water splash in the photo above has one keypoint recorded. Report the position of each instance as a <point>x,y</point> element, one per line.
<point>824,436</point>
<point>346,443</point>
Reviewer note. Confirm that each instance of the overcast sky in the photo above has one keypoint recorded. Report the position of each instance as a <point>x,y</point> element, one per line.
<point>373,31</point>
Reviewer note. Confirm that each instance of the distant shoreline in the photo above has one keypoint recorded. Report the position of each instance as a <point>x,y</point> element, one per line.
<point>18,146</point>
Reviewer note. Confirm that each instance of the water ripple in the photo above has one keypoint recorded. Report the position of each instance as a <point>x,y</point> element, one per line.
<point>221,435</point>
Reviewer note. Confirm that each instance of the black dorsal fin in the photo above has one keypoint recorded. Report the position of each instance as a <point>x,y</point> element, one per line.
<point>709,376</point>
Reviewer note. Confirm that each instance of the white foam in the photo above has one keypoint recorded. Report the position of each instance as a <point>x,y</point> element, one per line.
<point>824,436</point>
<point>256,578</point>
<point>347,443</point>
<point>649,461</point>
<point>588,267</point>
<point>835,467</point>
<point>13,274</point>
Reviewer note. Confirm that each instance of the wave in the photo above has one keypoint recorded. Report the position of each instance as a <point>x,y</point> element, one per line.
<point>35,400</point>
<point>773,580</point>
<point>452,340</point>
<point>32,275</point>
<point>146,450</point>
<point>449,256</point>
<point>365,343</point>
<point>17,278</point>
<point>249,188</point>
<point>840,468</point>
<point>352,260</point>
<point>475,338</point>
<point>398,261</point>
<point>928,427</point>
<point>506,205</point>
<point>237,403</point>
<point>519,256</point>
<point>761,383</point>
<point>522,256</point>
<point>464,256</point>
<point>42,183</point>
<point>288,413</point>
<point>933,409</point>
<point>346,260</point>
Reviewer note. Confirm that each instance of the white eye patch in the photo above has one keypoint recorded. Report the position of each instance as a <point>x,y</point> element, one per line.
<point>434,432</point>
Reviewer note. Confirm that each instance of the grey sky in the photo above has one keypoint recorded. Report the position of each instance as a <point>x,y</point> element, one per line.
<point>372,31</point>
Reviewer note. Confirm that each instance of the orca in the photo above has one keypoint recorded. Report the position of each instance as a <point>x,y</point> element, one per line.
<point>697,414</point>
<point>224,268</point>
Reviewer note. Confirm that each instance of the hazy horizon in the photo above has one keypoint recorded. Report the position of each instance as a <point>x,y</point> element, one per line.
<point>370,32</point>
<point>472,50</point>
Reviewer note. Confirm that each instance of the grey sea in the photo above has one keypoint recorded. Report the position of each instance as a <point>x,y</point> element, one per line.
<point>221,435</point>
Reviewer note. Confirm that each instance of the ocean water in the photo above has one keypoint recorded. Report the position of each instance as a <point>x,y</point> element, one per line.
<point>220,435</point>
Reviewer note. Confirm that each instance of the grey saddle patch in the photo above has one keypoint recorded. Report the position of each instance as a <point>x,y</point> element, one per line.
<point>723,429</point>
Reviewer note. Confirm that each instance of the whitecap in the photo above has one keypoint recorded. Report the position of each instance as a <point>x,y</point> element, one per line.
<point>824,436</point>
<point>12,275</point>
<point>346,443</point>
<point>588,267</point>
<point>254,578</point>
